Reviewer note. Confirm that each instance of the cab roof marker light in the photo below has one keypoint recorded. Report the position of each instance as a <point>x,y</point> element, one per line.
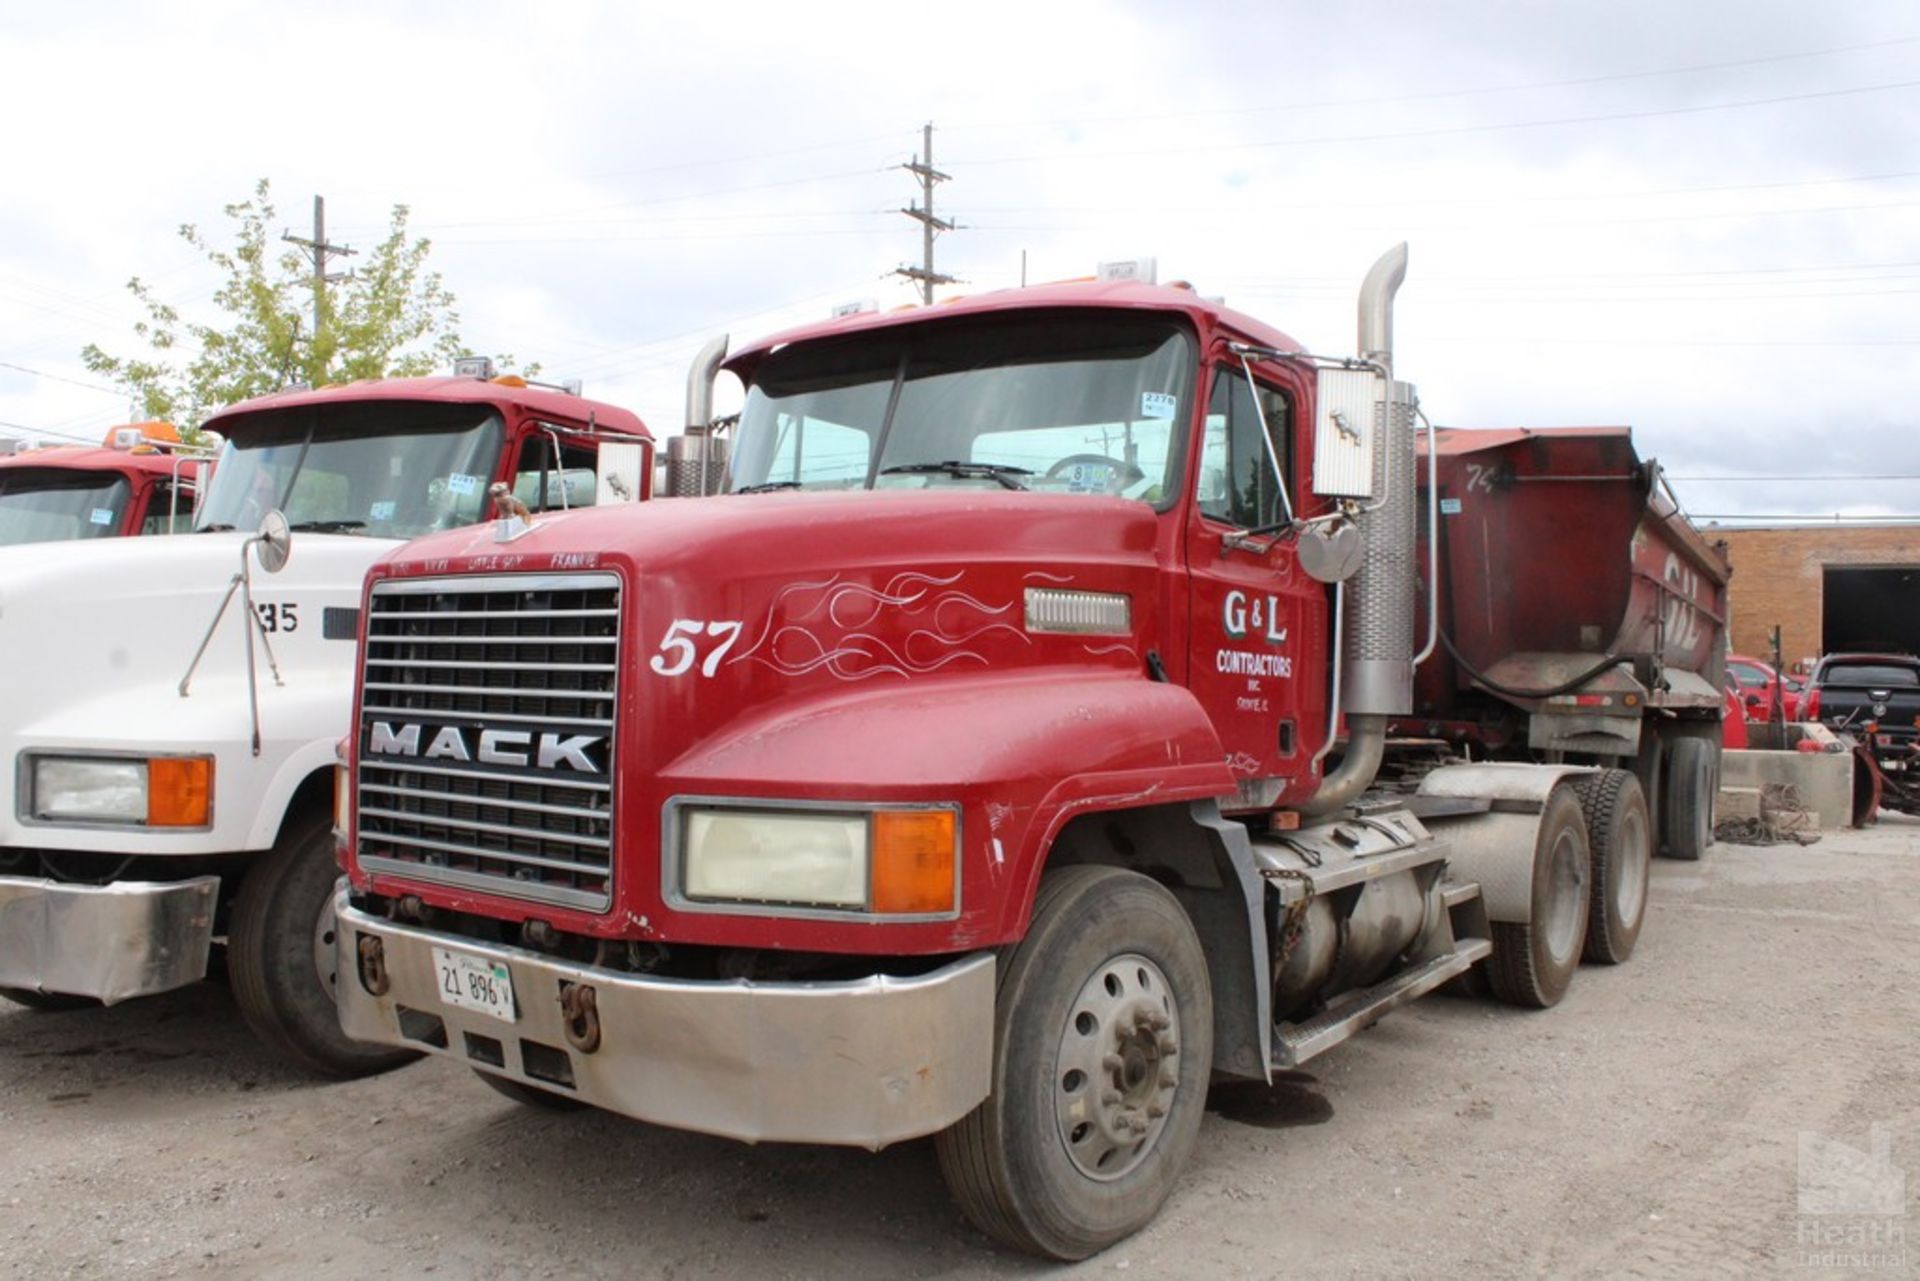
<point>1142,271</point>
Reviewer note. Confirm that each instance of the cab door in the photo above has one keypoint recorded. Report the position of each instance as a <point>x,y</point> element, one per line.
<point>1257,623</point>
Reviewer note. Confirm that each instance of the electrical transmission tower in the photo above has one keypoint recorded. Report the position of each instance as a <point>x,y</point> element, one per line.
<point>922,168</point>
<point>321,251</point>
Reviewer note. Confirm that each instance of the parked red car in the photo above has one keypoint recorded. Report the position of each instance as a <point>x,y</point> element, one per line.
<point>1733,731</point>
<point>1758,681</point>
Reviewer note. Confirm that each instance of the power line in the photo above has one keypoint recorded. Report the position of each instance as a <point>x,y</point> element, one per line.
<point>1440,94</point>
<point>548,219</point>
<point>1725,480</point>
<point>1452,130</point>
<point>74,382</point>
<point>1816,518</point>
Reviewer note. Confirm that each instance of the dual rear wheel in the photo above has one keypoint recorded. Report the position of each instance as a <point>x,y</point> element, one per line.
<point>1591,860</point>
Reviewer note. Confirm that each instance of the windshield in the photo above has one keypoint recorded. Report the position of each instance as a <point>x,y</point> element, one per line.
<point>1068,403</point>
<point>41,506</point>
<point>392,469</point>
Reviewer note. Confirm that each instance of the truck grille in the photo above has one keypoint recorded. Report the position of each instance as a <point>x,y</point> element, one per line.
<point>486,734</point>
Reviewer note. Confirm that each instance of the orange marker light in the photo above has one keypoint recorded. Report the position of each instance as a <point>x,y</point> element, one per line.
<point>913,861</point>
<point>179,791</point>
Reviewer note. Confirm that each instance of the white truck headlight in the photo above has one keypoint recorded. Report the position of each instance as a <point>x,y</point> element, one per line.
<point>888,861</point>
<point>164,791</point>
<point>754,856</point>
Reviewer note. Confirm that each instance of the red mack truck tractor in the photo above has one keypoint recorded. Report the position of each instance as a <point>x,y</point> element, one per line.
<point>1029,737</point>
<point>141,480</point>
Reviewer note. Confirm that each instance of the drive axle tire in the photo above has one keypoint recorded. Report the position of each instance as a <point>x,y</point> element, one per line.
<point>280,955</point>
<point>528,1095</point>
<point>1621,840</point>
<point>1688,820</point>
<point>47,1002</point>
<point>1103,1046</point>
<point>1532,964</point>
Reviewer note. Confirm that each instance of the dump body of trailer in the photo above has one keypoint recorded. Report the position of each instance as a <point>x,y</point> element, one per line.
<point>1575,599</point>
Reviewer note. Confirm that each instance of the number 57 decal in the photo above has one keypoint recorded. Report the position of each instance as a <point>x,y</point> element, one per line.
<point>678,652</point>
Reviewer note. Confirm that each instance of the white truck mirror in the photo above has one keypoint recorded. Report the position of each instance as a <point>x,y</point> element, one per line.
<point>1346,424</point>
<point>621,472</point>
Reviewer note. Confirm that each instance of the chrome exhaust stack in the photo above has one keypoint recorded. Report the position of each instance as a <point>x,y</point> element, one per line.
<point>1376,633</point>
<point>696,460</point>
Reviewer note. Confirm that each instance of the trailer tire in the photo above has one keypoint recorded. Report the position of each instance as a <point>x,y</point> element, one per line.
<point>1533,963</point>
<point>1065,1156</point>
<point>278,942</point>
<point>529,1095</point>
<point>1621,839</point>
<point>1689,801</point>
<point>47,1002</point>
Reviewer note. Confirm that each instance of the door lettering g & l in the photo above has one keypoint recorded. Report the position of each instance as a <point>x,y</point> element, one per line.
<point>1260,614</point>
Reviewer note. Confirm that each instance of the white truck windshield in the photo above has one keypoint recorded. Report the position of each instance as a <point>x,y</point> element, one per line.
<point>391,469</point>
<point>47,505</point>
<point>1071,404</point>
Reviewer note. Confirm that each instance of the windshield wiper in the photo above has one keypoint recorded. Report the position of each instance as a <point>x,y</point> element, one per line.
<point>328,526</point>
<point>767,487</point>
<point>216,529</point>
<point>1002,472</point>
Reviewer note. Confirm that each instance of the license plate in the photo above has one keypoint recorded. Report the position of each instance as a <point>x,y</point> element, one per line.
<point>470,983</point>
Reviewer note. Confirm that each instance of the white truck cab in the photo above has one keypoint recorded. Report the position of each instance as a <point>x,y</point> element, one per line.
<point>169,708</point>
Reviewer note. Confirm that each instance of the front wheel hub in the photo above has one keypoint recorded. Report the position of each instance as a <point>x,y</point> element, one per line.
<point>1118,1067</point>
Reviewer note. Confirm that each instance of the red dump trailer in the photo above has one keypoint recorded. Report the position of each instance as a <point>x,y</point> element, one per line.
<point>1582,617</point>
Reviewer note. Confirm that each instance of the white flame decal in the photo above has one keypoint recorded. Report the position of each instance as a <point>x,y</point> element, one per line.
<point>829,626</point>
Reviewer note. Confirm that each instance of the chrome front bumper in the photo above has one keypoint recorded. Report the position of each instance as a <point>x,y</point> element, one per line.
<point>862,1063</point>
<point>107,941</point>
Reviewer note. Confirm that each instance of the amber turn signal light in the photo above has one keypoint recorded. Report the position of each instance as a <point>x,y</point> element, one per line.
<point>914,856</point>
<point>179,791</point>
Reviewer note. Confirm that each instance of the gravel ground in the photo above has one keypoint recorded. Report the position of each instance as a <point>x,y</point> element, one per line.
<point>1650,1126</point>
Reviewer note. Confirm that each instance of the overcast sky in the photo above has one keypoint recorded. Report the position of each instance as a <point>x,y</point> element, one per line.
<point>1696,218</point>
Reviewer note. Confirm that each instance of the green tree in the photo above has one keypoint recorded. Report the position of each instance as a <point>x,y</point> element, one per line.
<point>392,318</point>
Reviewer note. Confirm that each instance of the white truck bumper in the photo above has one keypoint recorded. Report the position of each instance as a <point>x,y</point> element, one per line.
<point>112,942</point>
<point>862,1063</point>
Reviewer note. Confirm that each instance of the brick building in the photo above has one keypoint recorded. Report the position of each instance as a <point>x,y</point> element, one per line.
<point>1826,587</point>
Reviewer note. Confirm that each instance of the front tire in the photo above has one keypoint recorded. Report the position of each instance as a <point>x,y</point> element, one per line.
<point>280,955</point>
<point>1103,1046</point>
<point>1621,836</point>
<point>1533,963</point>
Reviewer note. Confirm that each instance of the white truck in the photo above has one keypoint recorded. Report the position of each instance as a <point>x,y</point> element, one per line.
<point>167,769</point>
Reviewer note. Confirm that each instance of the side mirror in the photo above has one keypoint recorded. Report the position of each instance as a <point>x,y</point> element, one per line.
<point>274,543</point>
<point>621,472</point>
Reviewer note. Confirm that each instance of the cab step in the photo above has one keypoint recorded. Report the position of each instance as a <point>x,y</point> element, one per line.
<point>1353,1012</point>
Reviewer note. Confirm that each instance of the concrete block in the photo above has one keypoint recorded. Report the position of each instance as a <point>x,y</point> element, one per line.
<point>1736,804</point>
<point>1824,779</point>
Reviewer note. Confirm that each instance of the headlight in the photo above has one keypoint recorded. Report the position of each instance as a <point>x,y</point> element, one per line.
<point>899,862</point>
<point>162,791</point>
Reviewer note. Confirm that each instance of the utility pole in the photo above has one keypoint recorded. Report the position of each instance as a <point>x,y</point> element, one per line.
<point>321,252</point>
<point>922,213</point>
